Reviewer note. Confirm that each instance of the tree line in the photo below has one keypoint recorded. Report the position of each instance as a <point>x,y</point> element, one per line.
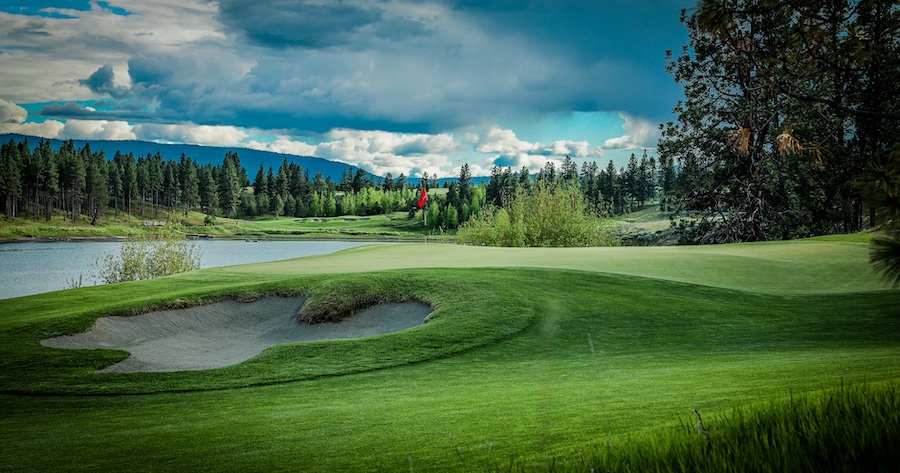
<point>36,182</point>
<point>607,191</point>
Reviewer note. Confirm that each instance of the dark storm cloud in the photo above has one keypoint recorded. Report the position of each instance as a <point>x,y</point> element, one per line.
<point>402,66</point>
<point>102,81</point>
<point>67,110</point>
<point>298,23</point>
<point>615,48</point>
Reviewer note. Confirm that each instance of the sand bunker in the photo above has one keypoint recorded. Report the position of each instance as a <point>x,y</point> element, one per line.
<point>226,333</point>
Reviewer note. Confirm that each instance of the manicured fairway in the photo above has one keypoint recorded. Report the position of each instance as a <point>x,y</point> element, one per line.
<point>518,365</point>
<point>795,267</point>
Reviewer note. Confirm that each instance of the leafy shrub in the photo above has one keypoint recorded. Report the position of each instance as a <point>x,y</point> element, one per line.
<point>147,257</point>
<point>547,216</point>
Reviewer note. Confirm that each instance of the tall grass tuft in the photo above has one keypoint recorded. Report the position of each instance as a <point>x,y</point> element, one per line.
<point>850,429</point>
<point>149,256</point>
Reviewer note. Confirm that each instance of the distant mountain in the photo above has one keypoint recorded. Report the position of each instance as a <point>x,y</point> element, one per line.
<point>250,158</point>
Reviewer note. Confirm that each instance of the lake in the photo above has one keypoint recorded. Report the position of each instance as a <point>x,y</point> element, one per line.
<point>36,267</point>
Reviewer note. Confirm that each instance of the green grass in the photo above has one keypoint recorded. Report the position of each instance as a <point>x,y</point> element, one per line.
<point>391,226</point>
<point>394,226</point>
<point>532,358</point>
<point>796,267</point>
<point>851,428</point>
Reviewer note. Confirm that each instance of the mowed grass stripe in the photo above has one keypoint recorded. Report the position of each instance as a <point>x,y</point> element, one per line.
<point>800,267</point>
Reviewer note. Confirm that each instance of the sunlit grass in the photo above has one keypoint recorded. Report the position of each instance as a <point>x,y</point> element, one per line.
<point>795,267</point>
<point>395,225</point>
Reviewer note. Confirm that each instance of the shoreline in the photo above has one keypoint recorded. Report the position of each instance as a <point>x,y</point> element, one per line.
<point>60,238</point>
<point>355,238</point>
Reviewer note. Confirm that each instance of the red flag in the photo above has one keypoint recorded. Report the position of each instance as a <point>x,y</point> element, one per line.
<point>423,198</point>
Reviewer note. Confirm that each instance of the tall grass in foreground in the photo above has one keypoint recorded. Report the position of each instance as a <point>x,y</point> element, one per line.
<point>852,429</point>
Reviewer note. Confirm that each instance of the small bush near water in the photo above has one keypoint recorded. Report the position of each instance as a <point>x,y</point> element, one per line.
<point>851,429</point>
<point>147,257</point>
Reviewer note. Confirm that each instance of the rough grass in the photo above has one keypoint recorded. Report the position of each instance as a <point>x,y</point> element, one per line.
<point>336,299</point>
<point>518,368</point>
<point>851,428</point>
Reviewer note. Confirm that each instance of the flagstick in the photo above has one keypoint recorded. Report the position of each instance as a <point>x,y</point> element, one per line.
<point>423,205</point>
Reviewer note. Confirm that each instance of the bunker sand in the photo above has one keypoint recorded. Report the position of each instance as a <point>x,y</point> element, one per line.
<point>226,333</point>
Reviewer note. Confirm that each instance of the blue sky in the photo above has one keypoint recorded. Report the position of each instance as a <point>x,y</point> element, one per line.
<point>390,85</point>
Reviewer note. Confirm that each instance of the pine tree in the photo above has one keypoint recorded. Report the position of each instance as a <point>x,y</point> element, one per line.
<point>10,178</point>
<point>47,175</point>
<point>96,183</point>
<point>229,188</point>
<point>114,176</point>
<point>259,183</point>
<point>569,171</point>
<point>209,195</point>
<point>190,184</point>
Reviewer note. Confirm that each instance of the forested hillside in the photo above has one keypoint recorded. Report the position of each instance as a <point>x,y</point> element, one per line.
<point>37,180</point>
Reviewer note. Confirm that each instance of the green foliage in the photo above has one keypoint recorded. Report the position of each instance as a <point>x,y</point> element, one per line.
<point>785,106</point>
<point>545,216</point>
<point>853,428</point>
<point>148,257</point>
<point>492,227</point>
<point>881,189</point>
<point>885,256</point>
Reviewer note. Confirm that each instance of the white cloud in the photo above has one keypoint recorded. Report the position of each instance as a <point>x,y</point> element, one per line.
<point>43,58</point>
<point>474,170</point>
<point>191,133</point>
<point>639,134</point>
<point>46,129</point>
<point>284,146</point>
<point>574,149</point>
<point>11,113</point>
<point>96,130</point>
<point>380,152</point>
<point>499,140</point>
<point>510,151</point>
<point>504,141</point>
<point>12,120</point>
<point>532,162</point>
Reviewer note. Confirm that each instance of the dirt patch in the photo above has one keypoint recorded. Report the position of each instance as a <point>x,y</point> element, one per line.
<point>226,333</point>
